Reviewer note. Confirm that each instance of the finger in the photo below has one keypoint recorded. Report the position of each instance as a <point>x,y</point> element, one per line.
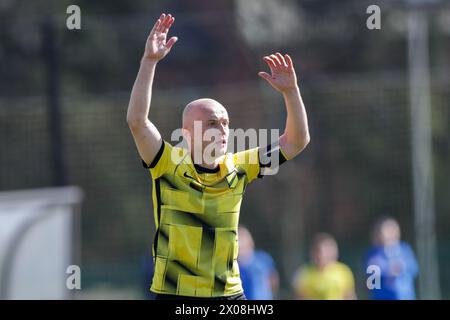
<point>289,61</point>
<point>166,23</point>
<point>161,25</point>
<point>172,19</point>
<point>281,58</point>
<point>156,26</point>
<point>265,76</point>
<point>171,42</point>
<point>161,17</point>
<point>275,59</point>
<point>270,62</point>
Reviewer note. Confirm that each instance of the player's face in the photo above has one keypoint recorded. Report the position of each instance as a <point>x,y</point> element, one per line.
<point>324,253</point>
<point>214,123</point>
<point>389,233</point>
<point>216,129</point>
<point>206,128</point>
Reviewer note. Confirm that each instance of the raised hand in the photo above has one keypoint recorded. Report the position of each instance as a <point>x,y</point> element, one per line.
<point>283,76</point>
<point>157,47</point>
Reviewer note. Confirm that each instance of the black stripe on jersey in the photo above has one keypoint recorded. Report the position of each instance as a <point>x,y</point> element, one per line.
<point>209,232</point>
<point>207,247</point>
<point>178,217</point>
<point>220,283</point>
<point>197,220</point>
<point>183,267</point>
<point>186,218</point>
<point>158,208</point>
<point>230,260</point>
<point>158,198</point>
<point>220,280</point>
<point>156,159</point>
<point>170,282</point>
<point>155,242</point>
<point>164,178</point>
<point>162,248</point>
<point>195,187</point>
<point>201,169</point>
<point>172,273</point>
<point>265,155</point>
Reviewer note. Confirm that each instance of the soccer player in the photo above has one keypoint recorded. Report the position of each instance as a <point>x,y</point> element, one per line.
<point>197,200</point>
<point>396,261</point>
<point>325,278</point>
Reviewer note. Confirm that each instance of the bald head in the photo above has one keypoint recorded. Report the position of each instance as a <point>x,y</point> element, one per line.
<point>200,109</point>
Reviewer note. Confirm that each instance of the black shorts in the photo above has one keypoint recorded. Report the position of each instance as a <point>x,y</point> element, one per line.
<point>239,296</point>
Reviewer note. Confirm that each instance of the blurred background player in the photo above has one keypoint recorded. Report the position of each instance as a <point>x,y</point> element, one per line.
<point>324,278</point>
<point>396,261</point>
<point>259,275</point>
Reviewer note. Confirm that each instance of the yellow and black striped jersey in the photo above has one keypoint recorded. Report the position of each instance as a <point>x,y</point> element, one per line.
<point>196,213</point>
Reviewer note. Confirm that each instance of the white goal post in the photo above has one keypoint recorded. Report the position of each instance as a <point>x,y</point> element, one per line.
<point>39,240</point>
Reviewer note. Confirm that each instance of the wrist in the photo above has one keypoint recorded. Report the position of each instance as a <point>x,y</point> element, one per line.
<point>291,91</point>
<point>149,61</point>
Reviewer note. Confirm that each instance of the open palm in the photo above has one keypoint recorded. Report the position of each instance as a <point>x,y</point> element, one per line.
<point>283,77</point>
<point>157,47</point>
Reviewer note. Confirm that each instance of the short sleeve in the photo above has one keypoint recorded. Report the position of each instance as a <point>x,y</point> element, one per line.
<point>161,162</point>
<point>271,157</point>
<point>248,160</point>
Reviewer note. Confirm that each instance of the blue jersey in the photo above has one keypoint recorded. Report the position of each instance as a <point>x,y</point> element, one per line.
<point>255,276</point>
<point>398,268</point>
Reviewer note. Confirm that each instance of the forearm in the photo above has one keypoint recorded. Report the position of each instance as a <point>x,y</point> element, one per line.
<point>296,133</point>
<point>141,93</point>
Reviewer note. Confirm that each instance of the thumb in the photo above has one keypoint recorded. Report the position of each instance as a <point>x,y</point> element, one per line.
<point>171,42</point>
<point>265,76</point>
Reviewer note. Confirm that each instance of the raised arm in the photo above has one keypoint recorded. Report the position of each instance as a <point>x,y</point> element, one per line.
<point>147,138</point>
<point>283,79</point>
